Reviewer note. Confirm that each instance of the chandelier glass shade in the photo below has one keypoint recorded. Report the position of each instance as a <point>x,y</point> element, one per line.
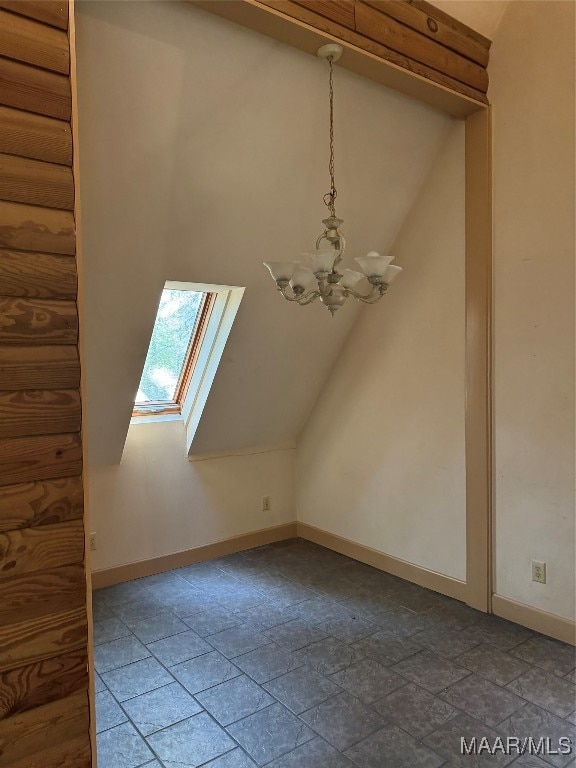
<point>319,275</point>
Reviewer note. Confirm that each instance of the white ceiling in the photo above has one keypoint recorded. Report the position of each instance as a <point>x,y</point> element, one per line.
<point>203,153</point>
<point>482,15</point>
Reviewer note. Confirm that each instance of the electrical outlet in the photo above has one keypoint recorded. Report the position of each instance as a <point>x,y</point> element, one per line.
<point>265,503</point>
<point>92,542</point>
<point>538,572</point>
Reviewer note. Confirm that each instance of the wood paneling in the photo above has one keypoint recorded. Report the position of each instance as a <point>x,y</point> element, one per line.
<point>43,728</point>
<point>385,30</point>
<point>23,459</point>
<point>38,321</point>
<point>37,275</point>
<point>50,367</point>
<point>63,587</point>
<point>25,40</point>
<point>73,753</point>
<point>34,90</point>
<point>436,29</point>
<point>36,183</point>
<point>52,12</point>
<point>39,412</point>
<point>340,11</point>
<point>46,502</point>
<point>30,228</point>
<point>40,683</point>
<point>41,548</point>
<point>35,136</point>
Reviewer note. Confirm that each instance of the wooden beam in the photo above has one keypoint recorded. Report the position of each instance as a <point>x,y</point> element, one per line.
<point>37,275</point>
<point>24,459</point>
<point>37,321</point>
<point>53,12</point>
<point>36,183</point>
<point>462,29</point>
<point>72,753</point>
<point>35,136</point>
<point>32,42</point>
<point>340,11</point>
<point>44,502</point>
<point>48,367</point>
<point>35,90</point>
<point>41,548</point>
<point>31,228</point>
<point>60,587</point>
<point>39,412</point>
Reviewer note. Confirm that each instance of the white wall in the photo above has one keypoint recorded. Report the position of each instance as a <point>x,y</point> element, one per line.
<point>157,502</point>
<point>532,90</point>
<point>381,460</point>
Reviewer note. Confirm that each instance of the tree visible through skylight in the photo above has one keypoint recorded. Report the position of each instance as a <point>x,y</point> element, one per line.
<point>175,322</point>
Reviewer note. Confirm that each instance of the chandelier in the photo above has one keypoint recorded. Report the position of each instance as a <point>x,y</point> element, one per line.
<point>318,276</point>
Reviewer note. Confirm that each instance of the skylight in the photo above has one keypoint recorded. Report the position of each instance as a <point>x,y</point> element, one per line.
<point>177,323</point>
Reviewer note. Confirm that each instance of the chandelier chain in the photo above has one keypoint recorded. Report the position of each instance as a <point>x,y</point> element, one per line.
<point>330,197</point>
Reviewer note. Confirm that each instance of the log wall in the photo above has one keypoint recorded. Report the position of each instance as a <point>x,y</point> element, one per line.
<point>44,680</point>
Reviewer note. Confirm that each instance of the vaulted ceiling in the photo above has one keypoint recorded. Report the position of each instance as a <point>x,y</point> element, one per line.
<point>204,152</point>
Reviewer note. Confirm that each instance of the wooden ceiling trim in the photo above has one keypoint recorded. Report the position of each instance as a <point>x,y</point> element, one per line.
<point>295,24</point>
<point>35,136</point>
<point>51,12</point>
<point>39,367</point>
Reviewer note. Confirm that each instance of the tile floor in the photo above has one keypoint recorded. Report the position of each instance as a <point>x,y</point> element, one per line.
<point>293,656</point>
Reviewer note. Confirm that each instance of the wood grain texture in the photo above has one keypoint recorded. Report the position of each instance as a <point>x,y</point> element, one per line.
<point>45,502</point>
<point>35,182</point>
<point>42,548</point>
<point>31,228</point>
<point>39,412</point>
<point>385,30</point>
<point>37,275</point>
<point>37,321</point>
<point>35,136</point>
<point>32,42</point>
<point>340,11</point>
<point>41,592</point>
<point>44,457</point>
<point>36,684</point>
<point>49,367</point>
<point>36,90</point>
<point>435,29</point>
<point>53,12</point>
<point>450,21</point>
<point>292,10</point>
<point>72,753</point>
<point>43,729</point>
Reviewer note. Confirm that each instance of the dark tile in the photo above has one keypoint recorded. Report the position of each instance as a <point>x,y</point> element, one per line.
<point>430,671</point>
<point>503,634</point>
<point>289,594</point>
<point>137,678</point>
<point>447,741</point>
<point>392,748</point>
<point>101,611</point>
<point>314,754</point>
<point>415,710</point>
<point>270,733</point>
<point>571,676</point>
<point>167,577</point>
<point>122,747</point>
<point>237,640</point>
<point>191,743</point>
<point>267,662</point>
<point>301,689</point>
<point>265,615</point>
<point>234,759</point>
<point>530,761</point>
<point>120,593</point>
<point>211,621</point>
<point>534,722</point>
<point>368,680</point>
<point>132,613</point>
<point>343,720</point>
<point>494,665</point>
<point>108,713</point>
<point>482,699</point>
<point>572,718</point>
<point>369,604</point>
<point>241,601</point>
<point>334,587</point>
<point>329,655</point>
<point>204,672</point>
<point>157,627</point>
<point>109,629</point>
<point>320,609</point>
<point>170,592</point>
<point>387,648</point>
<point>98,683</point>
<point>552,655</point>
<point>295,634</point>
<point>350,629</point>
<point>546,690</point>
<point>160,708</point>
<point>453,614</point>
<point>416,598</point>
<point>201,573</point>
<point>187,604</point>
<point>445,642</point>
<point>118,653</point>
<point>403,622</point>
<point>178,648</point>
<point>234,699</point>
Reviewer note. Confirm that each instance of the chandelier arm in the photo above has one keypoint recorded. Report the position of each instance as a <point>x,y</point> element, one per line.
<point>303,298</point>
<point>371,298</point>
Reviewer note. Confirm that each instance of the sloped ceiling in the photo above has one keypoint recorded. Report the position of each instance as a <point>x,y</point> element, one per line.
<point>203,153</point>
<point>482,15</point>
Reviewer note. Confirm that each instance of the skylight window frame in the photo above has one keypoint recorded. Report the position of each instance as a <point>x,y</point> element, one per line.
<point>172,408</point>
